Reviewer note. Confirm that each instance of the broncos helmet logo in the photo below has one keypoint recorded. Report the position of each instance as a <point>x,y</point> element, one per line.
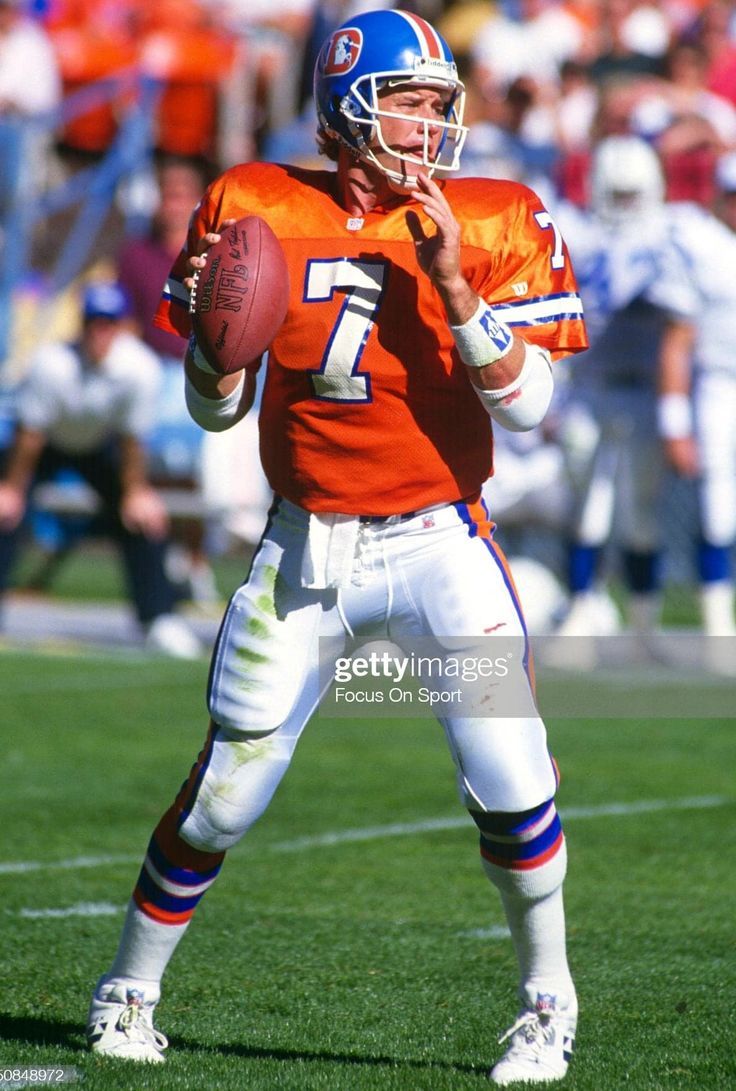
<point>343,51</point>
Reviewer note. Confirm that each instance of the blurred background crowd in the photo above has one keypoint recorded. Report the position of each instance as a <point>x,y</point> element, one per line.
<point>114,114</point>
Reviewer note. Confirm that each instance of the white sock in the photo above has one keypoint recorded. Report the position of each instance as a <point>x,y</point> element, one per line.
<point>538,932</point>
<point>145,948</point>
<point>717,608</point>
<point>532,901</point>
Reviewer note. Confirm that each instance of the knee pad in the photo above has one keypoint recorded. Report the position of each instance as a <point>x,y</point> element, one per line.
<point>503,763</point>
<point>236,780</point>
<point>523,853</point>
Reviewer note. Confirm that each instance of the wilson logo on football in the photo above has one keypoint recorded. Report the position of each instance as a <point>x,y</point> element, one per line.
<point>343,51</point>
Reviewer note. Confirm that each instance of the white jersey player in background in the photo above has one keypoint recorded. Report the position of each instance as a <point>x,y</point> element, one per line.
<point>531,497</point>
<point>620,249</point>
<point>697,404</point>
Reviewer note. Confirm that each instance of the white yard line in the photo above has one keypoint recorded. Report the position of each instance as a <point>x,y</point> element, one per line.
<point>374,833</point>
<point>76,863</point>
<point>371,833</point>
<point>493,931</point>
<point>645,806</point>
<point>342,837</point>
<point>83,909</point>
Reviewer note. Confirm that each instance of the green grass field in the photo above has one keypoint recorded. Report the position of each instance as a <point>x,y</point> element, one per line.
<point>324,961</point>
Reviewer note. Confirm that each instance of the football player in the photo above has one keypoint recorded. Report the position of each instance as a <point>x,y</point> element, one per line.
<point>697,406</point>
<point>621,248</point>
<point>421,309</point>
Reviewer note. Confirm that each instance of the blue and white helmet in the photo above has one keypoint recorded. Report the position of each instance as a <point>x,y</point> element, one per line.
<point>361,57</point>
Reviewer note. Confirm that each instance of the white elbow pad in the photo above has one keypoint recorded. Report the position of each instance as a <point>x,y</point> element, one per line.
<point>215,414</point>
<point>522,404</point>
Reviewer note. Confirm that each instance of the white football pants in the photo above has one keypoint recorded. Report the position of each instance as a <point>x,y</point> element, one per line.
<point>626,473</point>
<point>714,399</point>
<point>428,576</point>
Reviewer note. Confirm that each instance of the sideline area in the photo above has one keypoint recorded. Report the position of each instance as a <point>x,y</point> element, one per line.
<point>47,623</point>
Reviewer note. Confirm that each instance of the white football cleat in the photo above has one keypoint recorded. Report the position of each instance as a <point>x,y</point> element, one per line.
<point>120,1024</point>
<point>542,1040</point>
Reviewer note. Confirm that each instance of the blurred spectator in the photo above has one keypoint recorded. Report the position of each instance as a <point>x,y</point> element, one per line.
<point>529,116</point>
<point>274,34</point>
<point>724,204</point>
<point>509,135</point>
<point>182,455</point>
<point>294,143</point>
<point>533,44</point>
<point>618,97</point>
<point>490,151</point>
<point>460,22</point>
<point>175,444</point>
<point>88,406</point>
<point>716,32</point>
<point>689,149</point>
<point>687,143</point>
<point>181,45</point>
<point>29,76</point>
<point>616,100</point>
<point>683,93</point>
<point>186,47</point>
<point>690,124</point>
<point>575,107</point>
<point>634,38</point>
<point>144,263</point>
<point>30,86</point>
<point>92,42</point>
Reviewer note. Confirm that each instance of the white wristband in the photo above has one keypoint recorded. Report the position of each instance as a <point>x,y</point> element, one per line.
<point>215,414</point>
<point>674,416</point>
<point>482,340</point>
<point>199,359</point>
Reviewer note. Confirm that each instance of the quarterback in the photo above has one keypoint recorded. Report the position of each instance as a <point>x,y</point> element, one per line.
<point>422,308</point>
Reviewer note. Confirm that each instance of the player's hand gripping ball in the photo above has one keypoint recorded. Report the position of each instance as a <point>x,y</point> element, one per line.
<point>239,299</point>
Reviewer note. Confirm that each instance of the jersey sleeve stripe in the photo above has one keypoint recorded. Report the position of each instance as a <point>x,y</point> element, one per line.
<point>544,309</point>
<point>175,292</point>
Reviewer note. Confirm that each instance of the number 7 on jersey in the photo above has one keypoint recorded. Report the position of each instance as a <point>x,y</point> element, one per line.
<point>337,378</point>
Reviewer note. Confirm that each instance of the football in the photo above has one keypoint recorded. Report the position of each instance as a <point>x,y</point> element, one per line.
<point>239,300</point>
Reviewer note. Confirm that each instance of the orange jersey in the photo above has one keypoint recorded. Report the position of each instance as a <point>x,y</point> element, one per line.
<point>367,408</point>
